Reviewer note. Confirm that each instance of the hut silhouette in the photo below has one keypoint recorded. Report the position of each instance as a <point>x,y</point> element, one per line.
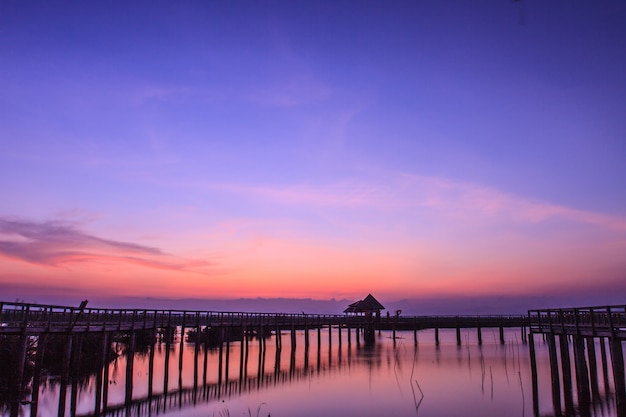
<point>369,306</point>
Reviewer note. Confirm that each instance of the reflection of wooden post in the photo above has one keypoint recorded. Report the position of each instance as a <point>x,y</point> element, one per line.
<point>617,362</point>
<point>533,371</point>
<point>567,374</point>
<point>554,373</point>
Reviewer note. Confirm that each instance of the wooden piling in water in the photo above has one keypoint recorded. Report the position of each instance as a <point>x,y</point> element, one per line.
<point>480,335</point>
<point>593,367</point>
<point>104,347</point>
<point>567,374</point>
<point>130,356</point>
<point>617,362</point>
<point>554,374</point>
<point>604,362</point>
<point>458,336</point>
<point>582,372</point>
<point>533,372</point>
<point>41,348</point>
<point>65,371</point>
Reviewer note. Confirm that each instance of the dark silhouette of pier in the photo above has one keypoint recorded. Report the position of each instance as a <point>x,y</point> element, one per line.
<point>31,326</point>
<point>579,331</point>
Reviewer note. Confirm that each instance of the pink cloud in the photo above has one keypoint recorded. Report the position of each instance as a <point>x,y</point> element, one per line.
<point>59,244</point>
<point>445,197</point>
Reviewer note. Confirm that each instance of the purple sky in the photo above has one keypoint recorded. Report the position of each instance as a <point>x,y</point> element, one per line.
<point>313,149</point>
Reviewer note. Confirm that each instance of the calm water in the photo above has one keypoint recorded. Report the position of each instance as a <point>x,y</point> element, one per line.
<point>391,378</point>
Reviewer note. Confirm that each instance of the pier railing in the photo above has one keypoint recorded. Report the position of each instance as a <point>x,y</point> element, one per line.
<point>600,321</point>
<point>28,318</point>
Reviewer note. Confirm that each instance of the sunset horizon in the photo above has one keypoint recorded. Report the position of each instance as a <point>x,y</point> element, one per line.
<point>468,157</point>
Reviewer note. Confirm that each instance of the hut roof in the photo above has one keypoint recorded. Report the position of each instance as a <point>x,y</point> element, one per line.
<point>367,304</point>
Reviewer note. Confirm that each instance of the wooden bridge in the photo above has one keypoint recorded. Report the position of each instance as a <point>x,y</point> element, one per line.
<point>30,324</point>
<point>34,319</point>
<point>584,329</point>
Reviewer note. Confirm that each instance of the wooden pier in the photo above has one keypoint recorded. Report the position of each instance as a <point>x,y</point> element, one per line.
<point>575,338</point>
<point>580,331</point>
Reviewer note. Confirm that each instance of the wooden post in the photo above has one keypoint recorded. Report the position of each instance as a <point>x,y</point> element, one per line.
<point>166,367</point>
<point>582,375</point>
<point>458,335</point>
<point>99,376</point>
<point>21,362</point>
<point>65,371</point>
<point>349,336</point>
<point>41,348</point>
<point>339,334</point>
<point>605,364</point>
<point>554,373</point>
<point>567,374</point>
<point>436,336</point>
<point>593,367</point>
<point>241,355</point>
<point>151,370</point>
<point>480,335</point>
<point>617,362</point>
<point>533,371</point>
<point>105,377</point>
<point>220,358</point>
<point>330,337</point>
<point>130,355</point>
<point>501,335</point>
<point>227,360</point>
<point>319,337</point>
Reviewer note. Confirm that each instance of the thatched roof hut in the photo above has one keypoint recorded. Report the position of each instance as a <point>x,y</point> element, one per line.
<point>367,306</point>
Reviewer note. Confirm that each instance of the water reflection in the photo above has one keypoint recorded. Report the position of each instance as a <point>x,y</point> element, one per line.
<point>320,373</point>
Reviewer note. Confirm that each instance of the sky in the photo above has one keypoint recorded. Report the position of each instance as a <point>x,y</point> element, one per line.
<point>323,150</point>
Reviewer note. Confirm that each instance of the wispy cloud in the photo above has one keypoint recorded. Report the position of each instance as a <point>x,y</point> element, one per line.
<point>443,196</point>
<point>61,244</point>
